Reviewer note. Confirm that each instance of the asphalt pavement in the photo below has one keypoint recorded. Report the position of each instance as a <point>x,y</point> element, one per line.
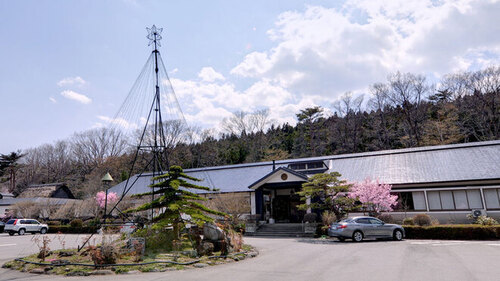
<point>317,259</point>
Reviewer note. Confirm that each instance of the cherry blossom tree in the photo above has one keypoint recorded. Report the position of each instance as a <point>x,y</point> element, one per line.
<point>100,197</point>
<point>375,196</point>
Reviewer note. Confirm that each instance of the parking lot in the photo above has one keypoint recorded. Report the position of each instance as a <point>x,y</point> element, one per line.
<point>316,259</point>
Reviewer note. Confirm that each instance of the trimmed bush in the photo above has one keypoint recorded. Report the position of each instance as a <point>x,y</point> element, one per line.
<point>453,232</point>
<point>76,223</point>
<point>72,230</point>
<point>408,221</point>
<point>386,218</point>
<point>422,220</point>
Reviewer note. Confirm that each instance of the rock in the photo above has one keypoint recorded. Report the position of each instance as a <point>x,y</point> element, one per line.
<point>60,262</point>
<point>252,254</point>
<point>77,273</point>
<point>67,253</point>
<point>136,243</point>
<point>212,232</point>
<point>67,269</point>
<point>134,272</point>
<point>200,265</point>
<point>38,271</point>
<point>101,272</point>
<point>205,248</point>
<point>190,253</point>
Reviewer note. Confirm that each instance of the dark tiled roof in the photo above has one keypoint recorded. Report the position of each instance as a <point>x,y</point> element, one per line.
<point>457,162</point>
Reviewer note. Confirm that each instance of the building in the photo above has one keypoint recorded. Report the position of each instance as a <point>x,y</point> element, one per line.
<point>446,182</point>
<point>51,190</point>
<point>47,195</point>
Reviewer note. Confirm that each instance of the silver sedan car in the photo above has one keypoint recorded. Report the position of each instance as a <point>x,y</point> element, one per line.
<point>359,228</point>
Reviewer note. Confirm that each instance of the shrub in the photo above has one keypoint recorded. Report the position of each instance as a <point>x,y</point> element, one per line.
<point>453,232</point>
<point>69,229</point>
<point>158,239</point>
<point>78,223</point>
<point>328,218</point>
<point>408,221</point>
<point>484,220</point>
<point>310,217</point>
<point>386,218</point>
<point>422,220</point>
<point>50,223</point>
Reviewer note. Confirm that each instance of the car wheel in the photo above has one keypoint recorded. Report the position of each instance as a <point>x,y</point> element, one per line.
<point>398,235</point>
<point>11,233</point>
<point>21,231</point>
<point>341,239</point>
<point>43,231</point>
<point>357,236</point>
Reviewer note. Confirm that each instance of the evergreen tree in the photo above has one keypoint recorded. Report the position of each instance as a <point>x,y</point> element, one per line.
<point>175,200</point>
<point>327,192</point>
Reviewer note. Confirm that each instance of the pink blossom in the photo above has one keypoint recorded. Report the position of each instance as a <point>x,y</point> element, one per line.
<point>100,197</point>
<point>374,195</point>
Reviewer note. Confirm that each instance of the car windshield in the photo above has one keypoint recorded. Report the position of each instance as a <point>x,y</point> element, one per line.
<point>11,221</point>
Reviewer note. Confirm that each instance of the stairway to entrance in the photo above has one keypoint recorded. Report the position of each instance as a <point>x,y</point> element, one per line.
<point>281,230</point>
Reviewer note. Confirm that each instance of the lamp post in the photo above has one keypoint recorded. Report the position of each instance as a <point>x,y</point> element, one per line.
<point>106,180</point>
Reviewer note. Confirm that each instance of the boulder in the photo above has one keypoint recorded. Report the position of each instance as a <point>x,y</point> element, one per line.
<point>212,232</point>
<point>200,265</point>
<point>205,248</point>
<point>37,271</point>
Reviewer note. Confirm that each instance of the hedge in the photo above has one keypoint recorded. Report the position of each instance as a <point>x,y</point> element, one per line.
<point>73,230</point>
<point>453,232</point>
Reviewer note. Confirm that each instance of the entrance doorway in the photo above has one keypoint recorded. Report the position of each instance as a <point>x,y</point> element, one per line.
<point>285,209</point>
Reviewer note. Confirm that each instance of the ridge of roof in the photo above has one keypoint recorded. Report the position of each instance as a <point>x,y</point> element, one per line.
<point>293,172</point>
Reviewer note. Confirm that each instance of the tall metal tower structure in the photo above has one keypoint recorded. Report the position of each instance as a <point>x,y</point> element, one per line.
<point>156,116</point>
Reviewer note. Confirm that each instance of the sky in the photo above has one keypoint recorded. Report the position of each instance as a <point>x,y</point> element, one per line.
<point>67,66</point>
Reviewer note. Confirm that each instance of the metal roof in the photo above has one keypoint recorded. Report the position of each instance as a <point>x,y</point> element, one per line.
<point>457,162</point>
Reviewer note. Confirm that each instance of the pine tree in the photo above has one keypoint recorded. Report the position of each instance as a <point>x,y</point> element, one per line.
<point>327,192</point>
<point>175,200</point>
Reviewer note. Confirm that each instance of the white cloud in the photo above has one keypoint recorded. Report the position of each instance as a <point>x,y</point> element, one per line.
<point>81,98</point>
<point>330,51</point>
<point>117,121</point>
<point>320,53</point>
<point>208,74</point>
<point>53,100</point>
<point>71,81</point>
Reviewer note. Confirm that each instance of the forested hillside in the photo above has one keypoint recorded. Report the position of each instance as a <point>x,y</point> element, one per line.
<point>404,111</point>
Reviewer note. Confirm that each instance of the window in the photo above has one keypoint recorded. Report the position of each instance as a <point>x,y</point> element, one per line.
<point>299,166</point>
<point>419,200</point>
<point>311,167</point>
<point>474,198</point>
<point>376,221</point>
<point>315,165</point>
<point>363,221</point>
<point>460,198</point>
<point>447,202</point>
<point>434,200</point>
<point>491,198</point>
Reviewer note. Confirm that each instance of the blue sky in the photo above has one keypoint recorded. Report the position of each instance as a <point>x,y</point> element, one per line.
<point>65,65</point>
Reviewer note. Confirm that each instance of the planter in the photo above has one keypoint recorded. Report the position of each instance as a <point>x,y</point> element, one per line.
<point>250,227</point>
<point>310,227</point>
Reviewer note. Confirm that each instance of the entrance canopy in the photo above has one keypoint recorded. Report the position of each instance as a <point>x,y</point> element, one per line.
<point>280,176</point>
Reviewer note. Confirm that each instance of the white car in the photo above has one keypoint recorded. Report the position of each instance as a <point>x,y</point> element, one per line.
<point>21,226</point>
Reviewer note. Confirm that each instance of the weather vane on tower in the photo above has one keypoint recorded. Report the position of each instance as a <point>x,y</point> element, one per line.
<point>154,35</point>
